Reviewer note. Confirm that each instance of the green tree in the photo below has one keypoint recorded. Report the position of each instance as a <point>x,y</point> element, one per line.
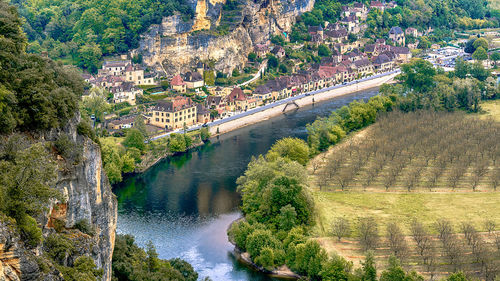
<point>480,42</point>
<point>418,75</point>
<point>368,268</point>
<point>287,217</point>
<point>309,258</point>
<point>134,138</point>
<point>424,43</point>
<point>252,56</point>
<point>336,268</point>
<point>457,276</point>
<point>177,143</point>
<point>89,56</point>
<point>324,51</point>
<point>480,54</point>
<point>96,103</point>
<point>140,125</point>
<point>291,148</point>
<point>272,61</point>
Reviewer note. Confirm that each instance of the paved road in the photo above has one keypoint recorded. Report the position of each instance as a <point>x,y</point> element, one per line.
<point>256,76</point>
<point>276,103</point>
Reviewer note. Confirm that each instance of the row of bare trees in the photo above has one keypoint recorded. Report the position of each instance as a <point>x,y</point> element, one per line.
<point>448,248</point>
<point>423,149</point>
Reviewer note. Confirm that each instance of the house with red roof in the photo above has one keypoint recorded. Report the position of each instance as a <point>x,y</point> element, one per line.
<point>177,84</point>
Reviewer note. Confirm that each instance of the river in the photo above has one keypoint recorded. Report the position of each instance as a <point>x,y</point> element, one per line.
<point>184,204</point>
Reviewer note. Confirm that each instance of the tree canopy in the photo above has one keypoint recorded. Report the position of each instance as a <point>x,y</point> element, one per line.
<point>35,93</point>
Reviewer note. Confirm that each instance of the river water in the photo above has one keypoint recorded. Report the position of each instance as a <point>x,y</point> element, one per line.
<point>185,204</point>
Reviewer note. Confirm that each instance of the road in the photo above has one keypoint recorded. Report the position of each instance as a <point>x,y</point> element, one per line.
<point>276,103</point>
<point>256,76</point>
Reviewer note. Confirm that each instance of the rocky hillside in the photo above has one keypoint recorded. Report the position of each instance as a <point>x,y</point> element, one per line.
<point>221,32</point>
<point>81,223</point>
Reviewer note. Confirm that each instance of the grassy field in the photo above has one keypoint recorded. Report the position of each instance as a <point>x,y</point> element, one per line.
<point>427,207</point>
<point>491,110</point>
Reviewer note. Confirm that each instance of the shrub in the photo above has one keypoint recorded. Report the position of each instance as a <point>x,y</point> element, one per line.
<point>68,149</point>
<point>58,247</point>
<point>259,239</point>
<point>85,129</point>
<point>30,232</point>
<point>85,227</point>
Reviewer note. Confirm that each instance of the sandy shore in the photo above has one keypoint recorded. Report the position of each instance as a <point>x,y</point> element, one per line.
<point>217,129</point>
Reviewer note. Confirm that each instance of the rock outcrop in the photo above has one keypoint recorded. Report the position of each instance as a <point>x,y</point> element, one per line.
<point>222,36</point>
<point>88,200</point>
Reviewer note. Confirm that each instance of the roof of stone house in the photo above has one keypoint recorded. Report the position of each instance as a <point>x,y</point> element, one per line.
<point>176,104</point>
<point>277,49</point>
<point>201,109</point>
<point>381,59</point>
<point>214,99</point>
<point>236,94</point>
<point>261,90</point>
<point>124,87</point>
<point>177,81</point>
<point>336,33</point>
<point>376,4</point>
<point>192,76</point>
<point>400,50</point>
<point>314,29</point>
<point>362,63</point>
<point>396,30</point>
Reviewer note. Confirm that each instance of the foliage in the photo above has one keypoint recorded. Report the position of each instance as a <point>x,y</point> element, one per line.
<point>133,263</point>
<point>84,31</point>
<point>96,103</point>
<point>35,93</point>
<point>68,149</point>
<point>272,61</point>
<point>324,51</point>
<point>204,134</point>
<point>480,54</point>
<point>134,138</point>
<point>290,148</point>
<point>85,227</point>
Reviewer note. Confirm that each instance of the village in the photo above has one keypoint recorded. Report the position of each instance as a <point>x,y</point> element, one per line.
<point>189,99</point>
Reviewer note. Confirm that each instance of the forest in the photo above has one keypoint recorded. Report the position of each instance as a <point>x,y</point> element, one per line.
<point>81,32</point>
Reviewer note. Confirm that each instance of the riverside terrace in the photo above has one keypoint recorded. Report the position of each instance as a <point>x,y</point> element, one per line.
<point>215,123</point>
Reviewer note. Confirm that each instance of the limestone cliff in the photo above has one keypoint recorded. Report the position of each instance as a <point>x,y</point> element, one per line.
<point>217,34</point>
<point>88,198</point>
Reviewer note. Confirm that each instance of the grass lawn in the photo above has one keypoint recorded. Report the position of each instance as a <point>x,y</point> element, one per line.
<point>385,207</point>
<point>491,109</point>
<point>112,140</point>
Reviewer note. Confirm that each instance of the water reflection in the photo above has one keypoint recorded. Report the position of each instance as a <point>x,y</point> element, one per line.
<point>184,204</point>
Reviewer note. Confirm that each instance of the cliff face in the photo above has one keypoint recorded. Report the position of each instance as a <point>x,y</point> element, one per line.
<point>88,198</point>
<point>216,34</point>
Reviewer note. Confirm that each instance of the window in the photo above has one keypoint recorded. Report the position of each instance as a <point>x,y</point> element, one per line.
<point>162,114</point>
<point>176,114</point>
<point>175,119</point>
<point>157,113</point>
<point>168,120</point>
<point>168,114</point>
<point>157,119</point>
<point>162,120</point>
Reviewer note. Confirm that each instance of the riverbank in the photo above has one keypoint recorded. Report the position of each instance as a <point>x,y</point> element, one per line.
<point>261,114</point>
<point>277,108</point>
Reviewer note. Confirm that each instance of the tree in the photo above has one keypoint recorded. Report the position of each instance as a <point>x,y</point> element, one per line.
<point>96,103</point>
<point>418,75</point>
<point>290,148</point>
<point>89,56</point>
<point>283,68</point>
<point>369,272</point>
<point>272,61</point>
<point>324,51</point>
<point>424,43</point>
<point>252,56</point>
<point>368,233</point>
<point>309,258</point>
<point>397,242</point>
<point>336,268</point>
<point>480,42</point>
<point>480,54</point>
<point>134,138</point>
<point>287,217</point>
<point>341,227</point>
<point>140,125</point>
